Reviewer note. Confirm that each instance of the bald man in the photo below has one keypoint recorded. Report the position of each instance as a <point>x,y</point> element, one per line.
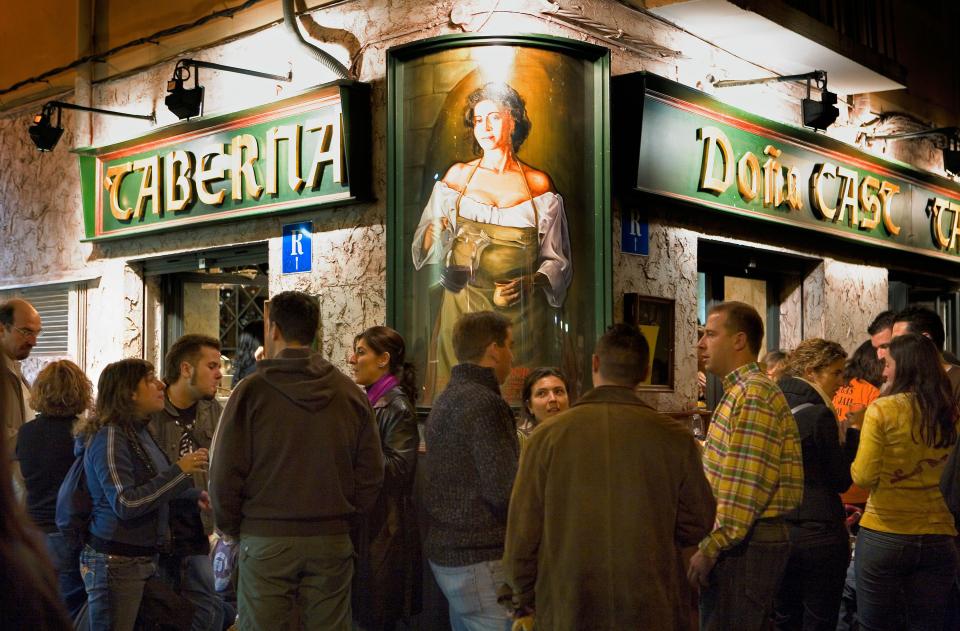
<point>19,329</point>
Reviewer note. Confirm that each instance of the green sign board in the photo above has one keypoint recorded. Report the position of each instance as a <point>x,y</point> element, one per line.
<point>308,150</point>
<point>681,143</point>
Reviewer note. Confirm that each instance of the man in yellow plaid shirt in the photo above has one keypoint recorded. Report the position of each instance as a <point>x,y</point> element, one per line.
<point>753,462</point>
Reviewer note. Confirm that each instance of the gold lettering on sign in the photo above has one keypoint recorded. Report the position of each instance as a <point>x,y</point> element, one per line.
<point>112,182</point>
<point>712,139</point>
<point>177,174</point>
<point>748,176</point>
<point>149,185</point>
<point>329,150</point>
<point>794,200</point>
<point>943,241</point>
<point>242,169</point>
<point>820,173</point>
<point>869,203</point>
<point>210,169</point>
<point>887,191</point>
<point>847,199</point>
<point>290,133</point>
<point>772,178</point>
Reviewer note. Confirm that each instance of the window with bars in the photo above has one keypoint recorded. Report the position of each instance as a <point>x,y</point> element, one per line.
<point>240,305</point>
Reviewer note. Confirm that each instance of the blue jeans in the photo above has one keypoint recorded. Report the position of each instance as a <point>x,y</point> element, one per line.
<point>114,588</point>
<point>471,592</point>
<point>921,568</point>
<point>191,576</point>
<point>66,561</point>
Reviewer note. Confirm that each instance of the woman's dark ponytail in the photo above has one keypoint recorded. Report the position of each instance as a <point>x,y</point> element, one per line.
<point>408,381</point>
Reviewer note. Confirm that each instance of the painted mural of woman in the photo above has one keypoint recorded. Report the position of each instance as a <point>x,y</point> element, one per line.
<point>497,228</point>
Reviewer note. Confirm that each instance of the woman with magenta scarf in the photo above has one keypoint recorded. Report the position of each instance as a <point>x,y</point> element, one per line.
<point>388,576</point>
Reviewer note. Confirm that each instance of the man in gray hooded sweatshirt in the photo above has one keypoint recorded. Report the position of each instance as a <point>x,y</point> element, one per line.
<point>296,458</point>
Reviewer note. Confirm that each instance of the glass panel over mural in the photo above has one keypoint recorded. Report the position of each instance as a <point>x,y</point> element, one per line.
<point>496,176</point>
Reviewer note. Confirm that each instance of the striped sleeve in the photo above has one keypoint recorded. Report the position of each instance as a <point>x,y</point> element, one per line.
<point>113,463</point>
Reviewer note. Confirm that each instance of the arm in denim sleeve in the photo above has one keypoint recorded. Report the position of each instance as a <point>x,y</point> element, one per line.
<point>113,463</point>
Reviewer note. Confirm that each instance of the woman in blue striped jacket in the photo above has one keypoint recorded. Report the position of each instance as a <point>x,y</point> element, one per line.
<point>131,483</point>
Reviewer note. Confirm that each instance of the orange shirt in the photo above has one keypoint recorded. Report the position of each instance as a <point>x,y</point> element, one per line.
<point>856,396</point>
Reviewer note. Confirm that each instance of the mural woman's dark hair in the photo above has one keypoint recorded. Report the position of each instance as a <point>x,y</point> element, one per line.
<point>504,95</point>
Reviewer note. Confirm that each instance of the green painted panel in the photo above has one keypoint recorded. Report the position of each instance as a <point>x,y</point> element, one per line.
<point>291,154</point>
<point>677,123</point>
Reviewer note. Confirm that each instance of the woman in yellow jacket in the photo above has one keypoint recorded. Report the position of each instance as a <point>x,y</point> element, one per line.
<point>905,545</point>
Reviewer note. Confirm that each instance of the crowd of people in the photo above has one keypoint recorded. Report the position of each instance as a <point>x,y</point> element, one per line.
<point>594,513</point>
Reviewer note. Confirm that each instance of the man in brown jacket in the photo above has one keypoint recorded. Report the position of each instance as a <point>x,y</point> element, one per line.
<point>606,495</point>
<point>296,459</point>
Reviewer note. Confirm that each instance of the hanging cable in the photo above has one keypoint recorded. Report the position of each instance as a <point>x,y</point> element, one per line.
<point>149,39</point>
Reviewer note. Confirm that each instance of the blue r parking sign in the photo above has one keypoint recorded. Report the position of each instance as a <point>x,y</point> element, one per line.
<point>297,247</point>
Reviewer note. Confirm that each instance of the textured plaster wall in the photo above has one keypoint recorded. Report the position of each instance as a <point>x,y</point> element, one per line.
<point>670,271</point>
<point>855,295</point>
<point>41,223</point>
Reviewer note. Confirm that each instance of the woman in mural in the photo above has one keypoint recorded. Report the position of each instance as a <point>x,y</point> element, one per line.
<point>497,228</point>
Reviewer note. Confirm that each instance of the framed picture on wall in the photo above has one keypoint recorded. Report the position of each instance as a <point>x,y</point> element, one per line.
<point>498,199</point>
<point>655,318</point>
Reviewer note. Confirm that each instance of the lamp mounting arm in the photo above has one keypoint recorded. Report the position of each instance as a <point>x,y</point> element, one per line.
<point>195,63</point>
<point>820,76</point>
<point>946,132</point>
<point>62,105</point>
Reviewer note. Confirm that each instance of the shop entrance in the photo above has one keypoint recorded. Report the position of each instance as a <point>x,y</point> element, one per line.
<point>217,293</point>
<point>771,282</point>
<point>942,294</point>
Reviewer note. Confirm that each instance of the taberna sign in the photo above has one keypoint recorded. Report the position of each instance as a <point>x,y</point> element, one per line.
<point>308,150</point>
<point>681,143</point>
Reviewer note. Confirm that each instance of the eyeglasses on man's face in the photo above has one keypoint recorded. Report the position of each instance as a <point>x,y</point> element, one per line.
<point>27,332</point>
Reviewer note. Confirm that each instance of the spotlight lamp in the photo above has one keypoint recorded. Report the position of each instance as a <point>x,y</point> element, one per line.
<point>188,102</point>
<point>45,135</point>
<point>816,114</point>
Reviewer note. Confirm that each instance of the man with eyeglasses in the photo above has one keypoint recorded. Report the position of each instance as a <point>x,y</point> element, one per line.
<point>19,330</point>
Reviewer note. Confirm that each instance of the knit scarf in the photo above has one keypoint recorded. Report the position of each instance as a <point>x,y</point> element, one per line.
<point>380,387</point>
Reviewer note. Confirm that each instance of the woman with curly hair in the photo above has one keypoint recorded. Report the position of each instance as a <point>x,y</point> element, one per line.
<point>812,585</point>
<point>45,449</point>
<point>906,560</point>
<point>131,484</point>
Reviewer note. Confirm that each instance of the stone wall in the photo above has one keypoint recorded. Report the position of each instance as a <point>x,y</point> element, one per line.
<point>41,221</point>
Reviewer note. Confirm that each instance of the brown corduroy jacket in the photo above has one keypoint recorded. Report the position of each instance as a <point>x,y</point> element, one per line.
<point>607,494</point>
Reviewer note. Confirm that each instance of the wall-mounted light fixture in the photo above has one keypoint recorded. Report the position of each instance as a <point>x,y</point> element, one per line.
<point>949,145</point>
<point>188,102</point>
<point>816,114</point>
<point>45,135</point>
